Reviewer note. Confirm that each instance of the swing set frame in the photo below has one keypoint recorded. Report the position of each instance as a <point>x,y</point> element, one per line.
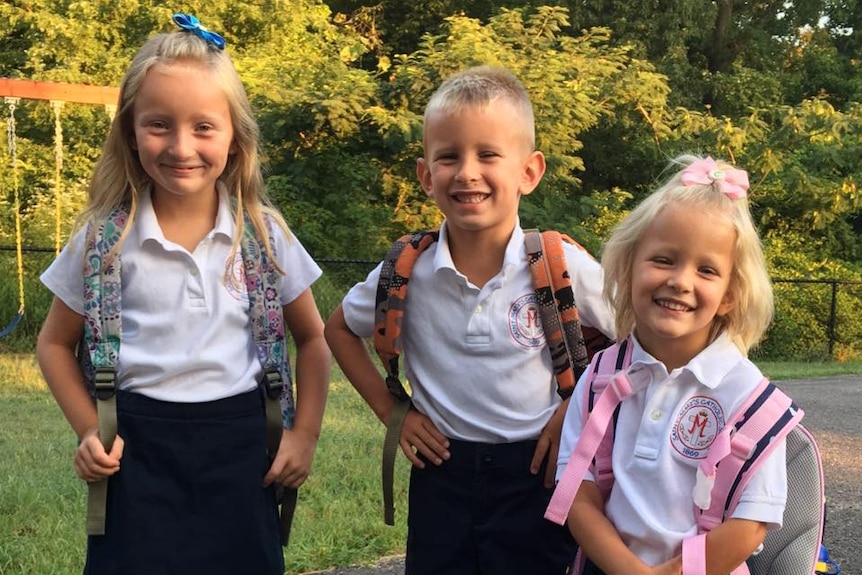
<point>12,90</point>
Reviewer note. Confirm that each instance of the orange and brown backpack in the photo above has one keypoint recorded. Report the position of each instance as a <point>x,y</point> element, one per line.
<point>571,346</point>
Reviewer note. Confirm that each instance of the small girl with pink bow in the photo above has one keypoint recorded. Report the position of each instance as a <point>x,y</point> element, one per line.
<point>685,274</point>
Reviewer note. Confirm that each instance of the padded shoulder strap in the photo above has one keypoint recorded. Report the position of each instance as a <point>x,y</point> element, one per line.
<point>594,431</point>
<point>103,293</point>
<point>559,313</point>
<point>746,441</point>
<point>391,299</point>
<point>263,284</point>
<point>612,361</point>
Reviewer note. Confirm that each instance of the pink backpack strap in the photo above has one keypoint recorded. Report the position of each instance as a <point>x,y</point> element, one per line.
<point>747,440</point>
<point>592,435</point>
<point>694,557</point>
<point>742,446</point>
<point>613,360</point>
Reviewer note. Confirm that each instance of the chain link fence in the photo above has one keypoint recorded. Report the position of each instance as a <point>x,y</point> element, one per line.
<point>815,319</point>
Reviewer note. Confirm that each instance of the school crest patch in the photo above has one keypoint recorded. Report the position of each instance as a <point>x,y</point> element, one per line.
<point>525,322</point>
<point>234,279</point>
<point>698,423</point>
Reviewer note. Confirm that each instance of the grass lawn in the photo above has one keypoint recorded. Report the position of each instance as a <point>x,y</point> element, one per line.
<point>339,519</point>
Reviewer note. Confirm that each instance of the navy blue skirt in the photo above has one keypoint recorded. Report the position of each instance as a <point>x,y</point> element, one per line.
<point>188,497</point>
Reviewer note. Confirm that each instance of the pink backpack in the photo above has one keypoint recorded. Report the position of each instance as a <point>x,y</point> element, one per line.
<point>751,433</point>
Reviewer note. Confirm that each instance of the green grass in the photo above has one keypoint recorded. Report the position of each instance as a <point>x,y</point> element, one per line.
<point>338,521</point>
<point>779,370</point>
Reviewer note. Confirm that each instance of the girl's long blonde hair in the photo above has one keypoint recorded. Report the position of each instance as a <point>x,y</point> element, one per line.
<point>119,177</point>
<point>750,287</point>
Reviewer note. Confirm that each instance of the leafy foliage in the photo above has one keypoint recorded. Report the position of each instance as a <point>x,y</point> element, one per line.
<point>618,89</point>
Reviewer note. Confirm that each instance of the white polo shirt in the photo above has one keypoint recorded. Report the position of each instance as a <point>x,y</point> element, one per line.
<point>186,326</point>
<point>476,359</point>
<point>662,434</point>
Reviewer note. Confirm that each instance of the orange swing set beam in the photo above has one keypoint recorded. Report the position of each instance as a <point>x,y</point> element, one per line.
<point>59,91</point>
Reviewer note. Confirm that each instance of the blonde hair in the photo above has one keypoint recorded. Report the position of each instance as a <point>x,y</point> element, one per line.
<point>480,87</point>
<point>750,287</point>
<point>119,176</point>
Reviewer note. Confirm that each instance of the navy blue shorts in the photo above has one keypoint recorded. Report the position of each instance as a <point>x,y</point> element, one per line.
<point>483,512</point>
<point>188,498</point>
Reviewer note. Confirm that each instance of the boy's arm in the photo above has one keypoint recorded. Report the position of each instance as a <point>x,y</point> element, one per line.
<point>55,352</point>
<point>351,353</point>
<point>292,464</point>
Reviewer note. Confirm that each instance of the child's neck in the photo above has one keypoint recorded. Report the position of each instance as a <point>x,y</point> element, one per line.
<point>671,355</point>
<point>478,256</point>
<point>186,221</point>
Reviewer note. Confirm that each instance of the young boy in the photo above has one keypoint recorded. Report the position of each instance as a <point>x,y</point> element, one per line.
<point>484,426</point>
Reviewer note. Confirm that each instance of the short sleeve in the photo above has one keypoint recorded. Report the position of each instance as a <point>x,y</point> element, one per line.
<point>65,276</point>
<point>300,270</point>
<point>573,424</point>
<point>587,283</point>
<point>359,304</point>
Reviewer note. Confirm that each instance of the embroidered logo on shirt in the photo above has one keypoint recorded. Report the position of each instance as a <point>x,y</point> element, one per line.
<point>525,322</point>
<point>699,421</point>
<point>234,279</point>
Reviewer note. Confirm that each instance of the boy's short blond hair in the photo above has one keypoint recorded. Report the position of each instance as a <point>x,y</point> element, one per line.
<point>480,87</point>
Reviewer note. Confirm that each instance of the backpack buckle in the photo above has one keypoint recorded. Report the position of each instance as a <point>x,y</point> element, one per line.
<point>393,384</point>
<point>105,382</point>
<point>272,383</point>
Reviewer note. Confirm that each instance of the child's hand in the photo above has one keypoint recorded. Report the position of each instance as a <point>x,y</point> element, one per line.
<point>419,435</point>
<point>292,464</point>
<point>549,444</point>
<point>92,463</point>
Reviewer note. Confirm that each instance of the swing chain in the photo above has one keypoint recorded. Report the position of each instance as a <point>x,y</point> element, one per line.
<point>12,103</point>
<point>57,106</point>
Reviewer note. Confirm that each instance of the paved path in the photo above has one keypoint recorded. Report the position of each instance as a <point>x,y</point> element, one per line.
<point>833,413</point>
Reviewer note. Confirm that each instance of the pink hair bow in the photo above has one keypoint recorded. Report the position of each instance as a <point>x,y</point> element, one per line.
<point>730,181</point>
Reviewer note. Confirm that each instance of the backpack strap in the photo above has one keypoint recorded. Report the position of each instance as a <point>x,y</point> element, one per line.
<point>267,325</point>
<point>556,301</point>
<point>612,361</point>
<point>390,306</point>
<point>100,348</point>
<point>745,442</point>
<point>616,389</point>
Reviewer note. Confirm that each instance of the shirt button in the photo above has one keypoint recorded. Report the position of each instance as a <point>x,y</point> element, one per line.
<point>655,415</point>
<point>193,271</point>
<point>479,308</point>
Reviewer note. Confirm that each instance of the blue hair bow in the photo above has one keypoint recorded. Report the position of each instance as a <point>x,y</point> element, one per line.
<point>192,24</point>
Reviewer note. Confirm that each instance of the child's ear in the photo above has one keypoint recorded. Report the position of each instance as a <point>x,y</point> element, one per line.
<point>423,173</point>
<point>726,304</point>
<point>534,169</point>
